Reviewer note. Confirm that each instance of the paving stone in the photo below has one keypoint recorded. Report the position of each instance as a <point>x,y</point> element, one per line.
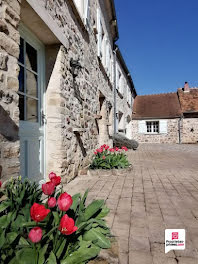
<point>161,192</point>
<point>137,257</point>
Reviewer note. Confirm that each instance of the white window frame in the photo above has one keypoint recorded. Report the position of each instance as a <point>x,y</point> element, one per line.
<point>152,126</point>
<point>83,7</point>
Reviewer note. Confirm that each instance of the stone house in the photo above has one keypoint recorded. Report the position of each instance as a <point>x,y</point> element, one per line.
<point>59,95</point>
<point>166,118</point>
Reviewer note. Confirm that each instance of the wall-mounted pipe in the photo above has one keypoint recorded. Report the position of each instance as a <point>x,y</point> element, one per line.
<point>114,92</point>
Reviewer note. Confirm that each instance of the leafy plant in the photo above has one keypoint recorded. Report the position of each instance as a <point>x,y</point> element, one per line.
<point>64,232</point>
<point>110,158</point>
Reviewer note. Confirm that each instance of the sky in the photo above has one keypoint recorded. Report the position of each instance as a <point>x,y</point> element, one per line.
<point>159,42</point>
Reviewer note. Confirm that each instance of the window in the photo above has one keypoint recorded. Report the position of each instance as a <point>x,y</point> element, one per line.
<point>83,7</point>
<point>152,126</point>
<point>28,82</point>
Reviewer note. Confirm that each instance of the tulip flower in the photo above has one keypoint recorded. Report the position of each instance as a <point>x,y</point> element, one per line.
<point>56,180</point>
<point>67,225</point>
<point>51,175</point>
<point>51,202</point>
<point>111,149</point>
<point>38,212</point>
<point>64,201</point>
<point>48,188</point>
<point>116,149</point>
<point>103,157</point>
<point>0,184</point>
<point>35,234</point>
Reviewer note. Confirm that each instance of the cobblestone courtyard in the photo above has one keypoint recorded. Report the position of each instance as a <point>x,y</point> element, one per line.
<point>161,192</point>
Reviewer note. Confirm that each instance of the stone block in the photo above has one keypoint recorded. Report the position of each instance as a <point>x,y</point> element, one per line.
<point>9,15</point>
<point>3,27</point>
<point>12,83</point>
<point>3,61</point>
<point>9,45</point>
<point>14,4</point>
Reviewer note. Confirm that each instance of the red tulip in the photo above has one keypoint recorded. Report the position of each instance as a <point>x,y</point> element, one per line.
<point>64,201</point>
<point>67,225</point>
<point>116,149</point>
<point>103,157</point>
<point>95,153</point>
<point>99,150</point>
<point>51,175</point>
<point>38,212</point>
<point>107,147</point>
<point>125,148</point>
<point>0,184</point>
<point>48,188</point>
<point>35,234</point>
<point>112,149</point>
<point>56,180</point>
<point>51,202</point>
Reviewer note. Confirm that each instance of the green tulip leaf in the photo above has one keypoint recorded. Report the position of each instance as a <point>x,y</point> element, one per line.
<point>93,208</point>
<point>26,256</point>
<point>42,252</point>
<point>83,254</point>
<point>97,237</point>
<point>75,203</point>
<point>11,237</point>
<point>51,259</point>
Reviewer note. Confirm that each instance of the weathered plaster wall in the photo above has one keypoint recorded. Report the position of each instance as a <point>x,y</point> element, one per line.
<point>172,135</point>
<point>9,51</point>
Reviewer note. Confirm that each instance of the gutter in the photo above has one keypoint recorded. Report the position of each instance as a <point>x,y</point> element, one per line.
<point>114,20</point>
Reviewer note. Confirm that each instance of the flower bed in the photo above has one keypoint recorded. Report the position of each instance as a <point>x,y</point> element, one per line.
<point>107,158</point>
<point>61,230</point>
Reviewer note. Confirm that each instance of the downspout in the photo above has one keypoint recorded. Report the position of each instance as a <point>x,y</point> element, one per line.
<point>179,128</point>
<point>114,93</point>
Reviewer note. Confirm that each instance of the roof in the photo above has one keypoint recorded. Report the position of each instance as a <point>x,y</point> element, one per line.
<point>156,106</point>
<point>188,100</point>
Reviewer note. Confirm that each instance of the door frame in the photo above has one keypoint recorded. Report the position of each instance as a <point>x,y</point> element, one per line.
<point>39,46</point>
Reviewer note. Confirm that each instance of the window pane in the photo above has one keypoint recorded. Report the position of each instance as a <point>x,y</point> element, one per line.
<point>31,84</point>
<point>21,79</point>
<point>21,107</point>
<point>21,55</point>
<point>31,110</point>
<point>148,124</point>
<point>31,58</point>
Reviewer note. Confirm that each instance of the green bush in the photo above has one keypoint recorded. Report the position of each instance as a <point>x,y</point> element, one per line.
<point>110,158</point>
<point>54,246</point>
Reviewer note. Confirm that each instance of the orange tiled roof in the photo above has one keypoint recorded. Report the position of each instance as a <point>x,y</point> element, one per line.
<point>188,100</point>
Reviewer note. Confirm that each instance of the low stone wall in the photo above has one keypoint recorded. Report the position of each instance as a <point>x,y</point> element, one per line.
<point>171,137</point>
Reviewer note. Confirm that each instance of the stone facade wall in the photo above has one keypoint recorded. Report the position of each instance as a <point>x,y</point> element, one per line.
<point>73,102</point>
<point>172,135</point>
<point>9,51</point>
<point>74,112</point>
<point>189,128</point>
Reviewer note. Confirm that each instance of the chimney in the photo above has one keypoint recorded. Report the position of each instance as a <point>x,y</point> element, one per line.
<point>186,87</point>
